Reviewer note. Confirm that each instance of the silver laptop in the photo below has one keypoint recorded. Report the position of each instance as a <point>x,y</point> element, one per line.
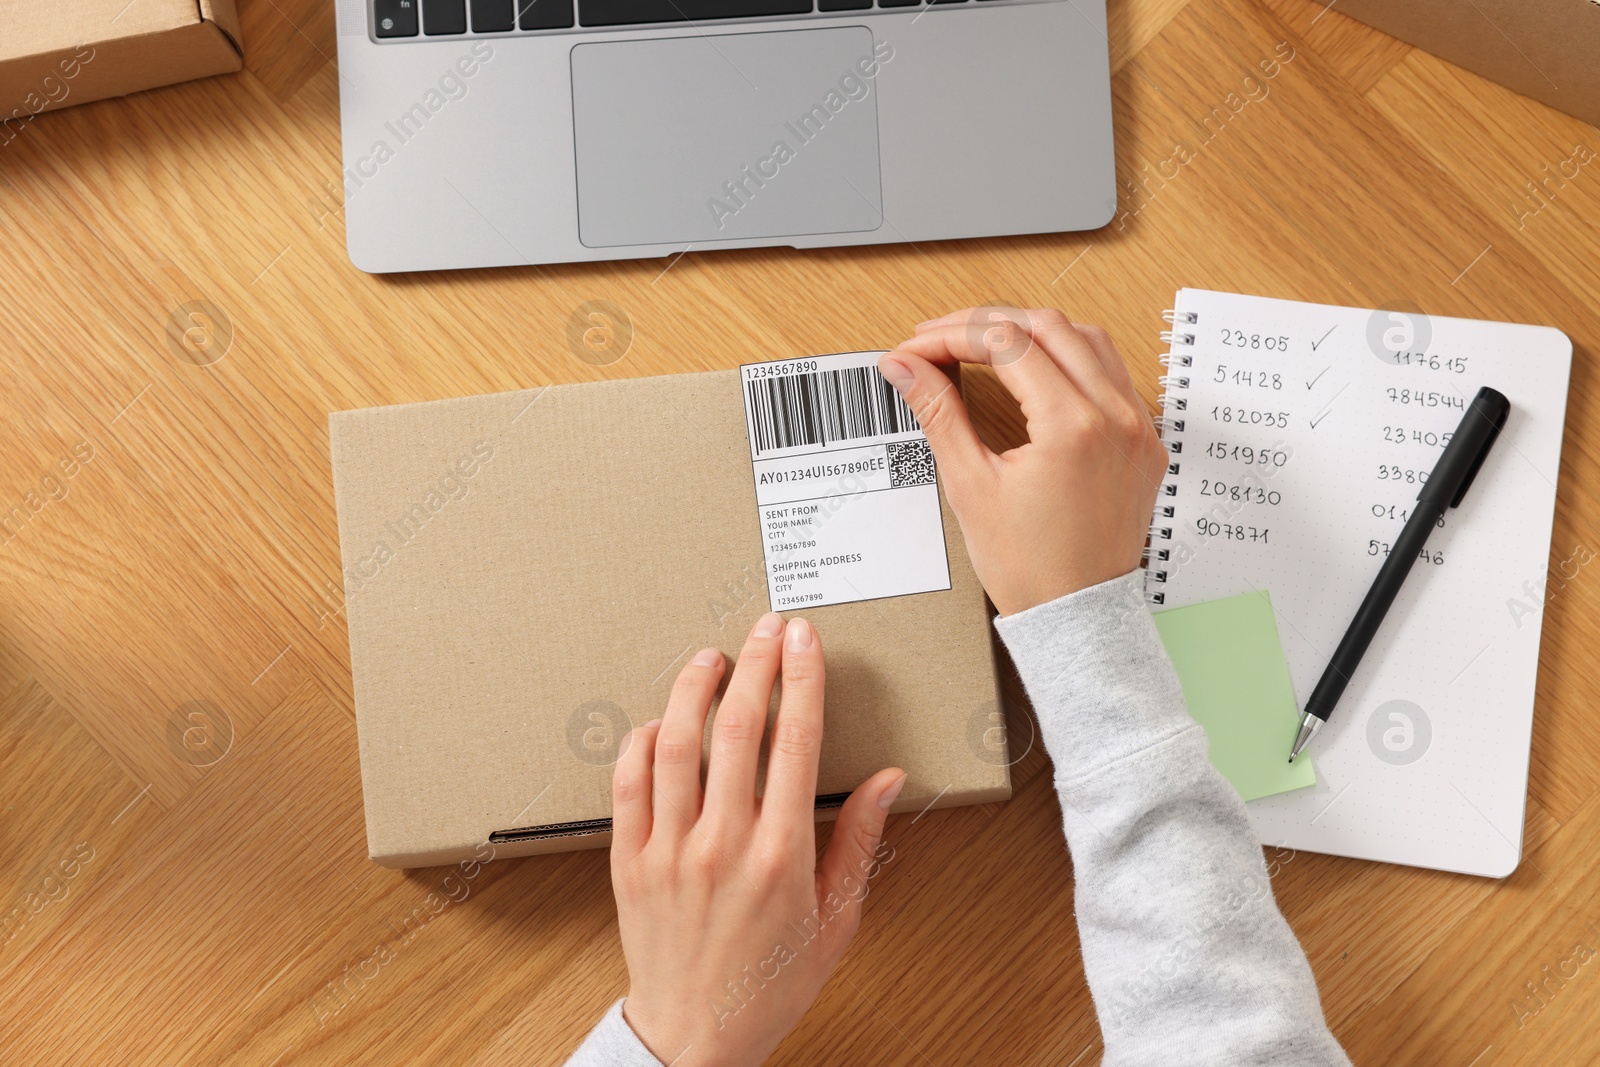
<point>485,133</point>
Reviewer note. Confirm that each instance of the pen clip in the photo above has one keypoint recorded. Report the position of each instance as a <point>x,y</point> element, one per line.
<point>1483,453</point>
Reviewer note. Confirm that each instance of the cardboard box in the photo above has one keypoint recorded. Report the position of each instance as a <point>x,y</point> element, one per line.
<point>64,52</point>
<point>526,573</point>
<point>1546,49</point>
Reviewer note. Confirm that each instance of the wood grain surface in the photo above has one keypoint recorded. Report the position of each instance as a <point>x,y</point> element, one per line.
<point>183,872</point>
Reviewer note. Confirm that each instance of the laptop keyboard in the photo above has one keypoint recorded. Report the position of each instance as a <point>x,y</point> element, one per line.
<point>444,18</point>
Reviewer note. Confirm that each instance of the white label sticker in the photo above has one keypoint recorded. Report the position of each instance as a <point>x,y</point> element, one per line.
<point>845,484</point>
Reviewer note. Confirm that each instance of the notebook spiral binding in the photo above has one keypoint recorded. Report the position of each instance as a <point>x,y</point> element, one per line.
<point>1169,424</point>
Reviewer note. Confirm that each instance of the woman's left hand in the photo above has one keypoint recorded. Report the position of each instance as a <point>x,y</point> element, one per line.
<point>729,923</point>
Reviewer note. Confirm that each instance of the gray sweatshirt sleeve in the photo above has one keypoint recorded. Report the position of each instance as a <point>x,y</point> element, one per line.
<point>1187,956</point>
<point>612,1043</point>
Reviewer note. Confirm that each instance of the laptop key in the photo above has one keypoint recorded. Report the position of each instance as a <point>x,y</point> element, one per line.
<point>444,16</point>
<point>395,18</point>
<point>493,16</point>
<point>843,5</point>
<point>544,14</point>
<point>623,12</point>
<point>898,3</point>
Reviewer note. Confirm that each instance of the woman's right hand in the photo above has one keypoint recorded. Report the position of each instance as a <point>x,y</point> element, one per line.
<point>1069,509</point>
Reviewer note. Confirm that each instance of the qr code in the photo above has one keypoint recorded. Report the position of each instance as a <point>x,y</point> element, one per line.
<point>910,463</point>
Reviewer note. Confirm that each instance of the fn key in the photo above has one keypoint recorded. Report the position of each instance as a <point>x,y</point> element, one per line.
<point>395,18</point>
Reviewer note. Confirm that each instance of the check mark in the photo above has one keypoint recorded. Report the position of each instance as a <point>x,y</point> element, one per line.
<point>1318,378</point>
<point>1324,412</point>
<point>1324,337</point>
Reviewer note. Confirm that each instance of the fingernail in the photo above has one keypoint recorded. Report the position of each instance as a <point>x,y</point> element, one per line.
<point>799,637</point>
<point>892,794</point>
<point>926,322</point>
<point>769,625</point>
<point>652,723</point>
<point>897,374</point>
<point>707,657</point>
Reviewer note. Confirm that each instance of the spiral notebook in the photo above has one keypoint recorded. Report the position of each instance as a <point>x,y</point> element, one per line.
<point>1299,436</point>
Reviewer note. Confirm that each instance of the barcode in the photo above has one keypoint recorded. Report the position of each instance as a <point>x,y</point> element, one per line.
<point>824,407</point>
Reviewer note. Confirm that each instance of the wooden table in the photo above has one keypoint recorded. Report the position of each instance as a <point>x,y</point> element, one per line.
<point>182,863</point>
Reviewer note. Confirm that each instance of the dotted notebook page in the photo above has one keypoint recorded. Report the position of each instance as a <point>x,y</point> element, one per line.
<point>1300,435</point>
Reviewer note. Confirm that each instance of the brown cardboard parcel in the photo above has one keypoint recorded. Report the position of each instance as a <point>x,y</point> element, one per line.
<point>62,52</point>
<point>526,572</point>
<point>1546,49</point>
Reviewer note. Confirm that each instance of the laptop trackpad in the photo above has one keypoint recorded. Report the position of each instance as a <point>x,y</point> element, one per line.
<point>685,140</point>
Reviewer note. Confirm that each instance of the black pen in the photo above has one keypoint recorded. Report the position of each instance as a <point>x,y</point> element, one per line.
<point>1444,489</point>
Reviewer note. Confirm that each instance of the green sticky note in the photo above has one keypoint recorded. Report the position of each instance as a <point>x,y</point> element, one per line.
<point>1237,686</point>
